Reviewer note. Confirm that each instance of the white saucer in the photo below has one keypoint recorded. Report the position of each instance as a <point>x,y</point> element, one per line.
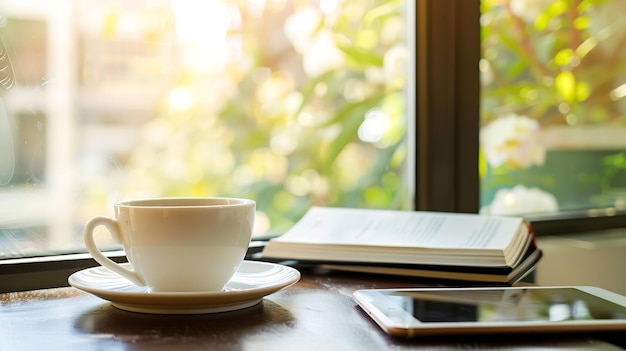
<point>252,281</point>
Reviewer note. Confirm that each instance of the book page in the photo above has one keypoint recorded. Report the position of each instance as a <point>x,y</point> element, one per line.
<point>324,225</point>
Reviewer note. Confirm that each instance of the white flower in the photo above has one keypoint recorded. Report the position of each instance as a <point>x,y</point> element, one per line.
<point>513,141</point>
<point>521,200</point>
<point>322,55</point>
<point>528,10</point>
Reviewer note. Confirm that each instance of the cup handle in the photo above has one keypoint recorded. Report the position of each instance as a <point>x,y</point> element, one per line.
<point>112,227</point>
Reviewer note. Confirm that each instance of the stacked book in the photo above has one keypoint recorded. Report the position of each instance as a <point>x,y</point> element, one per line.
<point>434,245</point>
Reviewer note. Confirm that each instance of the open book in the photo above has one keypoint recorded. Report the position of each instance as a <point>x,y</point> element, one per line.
<point>436,245</point>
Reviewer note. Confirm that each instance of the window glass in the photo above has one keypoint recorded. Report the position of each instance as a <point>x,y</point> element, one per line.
<point>290,103</point>
<point>553,113</point>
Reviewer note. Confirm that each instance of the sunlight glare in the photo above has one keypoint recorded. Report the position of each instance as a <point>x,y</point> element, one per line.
<point>180,99</point>
<point>203,28</point>
<point>205,21</point>
<point>256,7</point>
<point>329,6</point>
<point>374,126</point>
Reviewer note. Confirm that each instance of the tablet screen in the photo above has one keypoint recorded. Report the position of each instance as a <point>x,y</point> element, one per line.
<point>500,305</point>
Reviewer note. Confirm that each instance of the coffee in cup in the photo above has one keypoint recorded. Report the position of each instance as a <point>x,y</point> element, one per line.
<point>178,244</point>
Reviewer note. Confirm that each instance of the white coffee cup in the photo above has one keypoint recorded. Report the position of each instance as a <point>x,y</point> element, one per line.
<point>178,244</point>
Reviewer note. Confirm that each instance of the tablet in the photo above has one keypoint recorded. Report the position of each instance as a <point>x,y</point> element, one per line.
<point>437,311</point>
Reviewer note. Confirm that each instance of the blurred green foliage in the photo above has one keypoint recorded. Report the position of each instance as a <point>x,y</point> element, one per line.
<point>561,63</point>
<point>557,61</point>
<point>265,128</point>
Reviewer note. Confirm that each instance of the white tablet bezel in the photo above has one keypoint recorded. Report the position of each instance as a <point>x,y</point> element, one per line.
<point>396,321</point>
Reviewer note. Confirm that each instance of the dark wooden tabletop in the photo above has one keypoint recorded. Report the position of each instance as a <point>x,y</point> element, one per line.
<point>318,313</point>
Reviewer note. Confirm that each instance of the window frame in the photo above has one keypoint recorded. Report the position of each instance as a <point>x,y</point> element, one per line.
<point>447,105</point>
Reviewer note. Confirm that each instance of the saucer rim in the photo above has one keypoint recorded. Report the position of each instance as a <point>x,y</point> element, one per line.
<point>188,302</point>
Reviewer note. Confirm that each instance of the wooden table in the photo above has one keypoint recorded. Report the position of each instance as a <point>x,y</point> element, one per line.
<point>318,313</point>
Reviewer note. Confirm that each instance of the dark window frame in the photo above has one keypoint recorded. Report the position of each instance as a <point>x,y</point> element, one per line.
<point>447,105</point>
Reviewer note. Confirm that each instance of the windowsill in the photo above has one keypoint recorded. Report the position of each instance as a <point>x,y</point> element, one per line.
<point>30,273</point>
<point>591,258</point>
<point>587,137</point>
